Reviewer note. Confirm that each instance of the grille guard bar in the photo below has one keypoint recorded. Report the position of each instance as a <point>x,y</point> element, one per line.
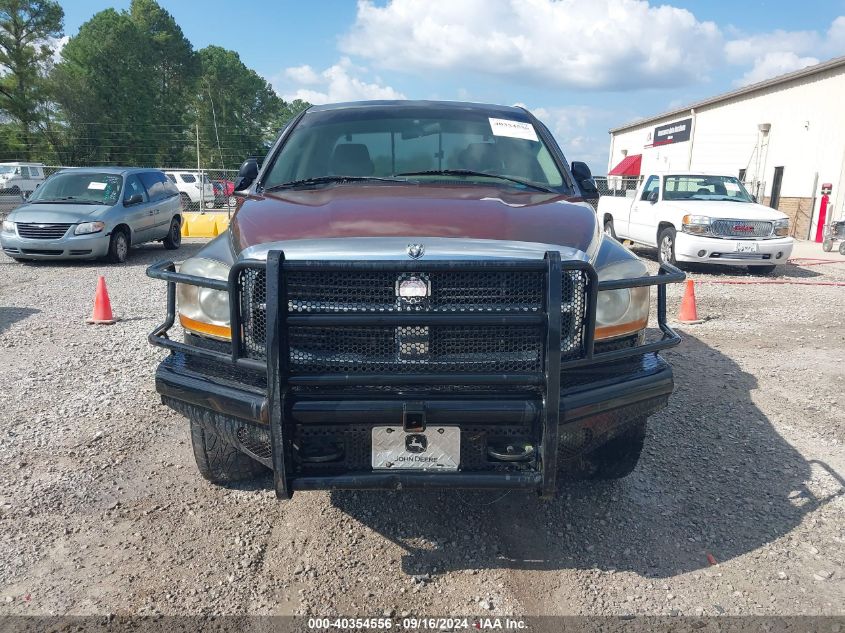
<point>279,379</point>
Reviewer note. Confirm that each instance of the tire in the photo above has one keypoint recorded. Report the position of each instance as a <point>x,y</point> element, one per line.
<point>218,461</point>
<point>232,202</point>
<point>615,459</point>
<point>827,246</point>
<point>762,270</point>
<point>666,246</point>
<point>174,236</point>
<point>842,248</point>
<point>608,229</point>
<point>15,191</point>
<point>118,247</point>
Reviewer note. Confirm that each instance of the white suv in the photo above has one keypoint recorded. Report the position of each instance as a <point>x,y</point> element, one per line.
<point>20,178</point>
<point>195,189</point>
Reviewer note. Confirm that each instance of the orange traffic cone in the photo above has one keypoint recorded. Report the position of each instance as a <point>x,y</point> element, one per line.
<point>102,314</point>
<point>689,314</point>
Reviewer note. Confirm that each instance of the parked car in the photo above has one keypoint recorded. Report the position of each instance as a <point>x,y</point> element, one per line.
<point>195,189</point>
<point>87,213</point>
<point>228,191</point>
<point>694,217</point>
<point>414,295</point>
<point>219,194</point>
<point>20,179</point>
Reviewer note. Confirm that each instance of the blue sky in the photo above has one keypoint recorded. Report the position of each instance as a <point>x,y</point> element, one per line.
<point>582,66</point>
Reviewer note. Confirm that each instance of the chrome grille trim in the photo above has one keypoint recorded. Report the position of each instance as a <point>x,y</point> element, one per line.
<point>726,227</point>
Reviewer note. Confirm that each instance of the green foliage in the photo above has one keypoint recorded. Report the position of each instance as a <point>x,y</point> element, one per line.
<point>26,26</point>
<point>129,89</point>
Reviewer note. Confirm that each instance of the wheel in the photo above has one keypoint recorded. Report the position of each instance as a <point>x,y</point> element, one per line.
<point>118,247</point>
<point>842,248</point>
<point>174,235</point>
<point>218,461</point>
<point>614,459</point>
<point>827,246</point>
<point>232,202</point>
<point>666,246</point>
<point>15,191</point>
<point>608,229</point>
<point>762,270</point>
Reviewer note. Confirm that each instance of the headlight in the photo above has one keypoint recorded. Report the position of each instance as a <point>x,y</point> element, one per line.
<point>204,310</point>
<point>623,311</point>
<point>697,224</point>
<point>89,227</point>
<point>8,227</point>
<point>782,227</point>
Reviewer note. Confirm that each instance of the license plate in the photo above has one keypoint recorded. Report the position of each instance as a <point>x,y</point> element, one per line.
<point>747,247</point>
<point>437,448</point>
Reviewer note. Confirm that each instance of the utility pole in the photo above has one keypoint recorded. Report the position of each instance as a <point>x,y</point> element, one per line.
<point>198,148</point>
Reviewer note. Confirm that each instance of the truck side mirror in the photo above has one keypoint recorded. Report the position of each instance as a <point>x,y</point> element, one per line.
<point>246,174</point>
<point>652,197</point>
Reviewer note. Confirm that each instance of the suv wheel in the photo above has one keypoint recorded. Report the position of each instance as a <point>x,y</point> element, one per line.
<point>608,229</point>
<point>218,461</point>
<point>666,246</point>
<point>174,235</point>
<point>614,459</point>
<point>187,205</point>
<point>118,247</point>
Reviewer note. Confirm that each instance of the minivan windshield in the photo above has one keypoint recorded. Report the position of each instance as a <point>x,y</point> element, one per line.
<point>81,188</point>
<point>704,188</point>
<point>422,145</point>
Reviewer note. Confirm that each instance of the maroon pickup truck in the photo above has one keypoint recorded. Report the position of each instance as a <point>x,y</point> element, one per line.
<point>414,295</point>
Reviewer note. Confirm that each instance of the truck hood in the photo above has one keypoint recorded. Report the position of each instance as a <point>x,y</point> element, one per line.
<point>58,213</point>
<point>727,209</point>
<point>477,219</point>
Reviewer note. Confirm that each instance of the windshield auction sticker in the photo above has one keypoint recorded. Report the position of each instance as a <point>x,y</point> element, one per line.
<point>513,129</point>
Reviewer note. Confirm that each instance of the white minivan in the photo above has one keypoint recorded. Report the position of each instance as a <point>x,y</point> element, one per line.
<point>20,178</point>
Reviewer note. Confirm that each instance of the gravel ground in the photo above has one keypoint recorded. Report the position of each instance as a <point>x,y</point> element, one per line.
<point>736,508</point>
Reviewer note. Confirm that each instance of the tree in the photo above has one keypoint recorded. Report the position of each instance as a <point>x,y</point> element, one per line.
<point>176,68</point>
<point>102,86</point>
<point>246,109</point>
<point>26,28</point>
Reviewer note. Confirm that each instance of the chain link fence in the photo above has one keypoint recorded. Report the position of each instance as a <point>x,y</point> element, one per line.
<point>619,186</point>
<point>200,190</point>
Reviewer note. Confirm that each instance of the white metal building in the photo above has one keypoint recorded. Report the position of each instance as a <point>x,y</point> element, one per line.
<point>785,137</point>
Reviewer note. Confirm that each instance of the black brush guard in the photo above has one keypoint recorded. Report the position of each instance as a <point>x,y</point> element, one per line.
<point>280,380</point>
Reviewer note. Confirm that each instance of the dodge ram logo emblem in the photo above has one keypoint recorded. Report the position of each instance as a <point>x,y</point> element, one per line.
<point>415,251</point>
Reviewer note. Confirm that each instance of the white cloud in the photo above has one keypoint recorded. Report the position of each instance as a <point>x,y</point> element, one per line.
<point>779,52</point>
<point>571,127</point>
<point>592,44</point>
<point>340,82</point>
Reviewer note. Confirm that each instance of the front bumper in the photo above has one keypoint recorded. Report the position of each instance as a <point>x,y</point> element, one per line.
<point>68,247</point>
<point>723,251</point>
<point>270,412</point>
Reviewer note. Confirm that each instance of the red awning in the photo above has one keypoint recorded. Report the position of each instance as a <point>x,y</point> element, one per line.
<point>628,166</point>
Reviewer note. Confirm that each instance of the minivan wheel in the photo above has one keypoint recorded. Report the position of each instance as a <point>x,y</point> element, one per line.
<point>118,247</point>
<point>174,235</point>
<point>666,246</point>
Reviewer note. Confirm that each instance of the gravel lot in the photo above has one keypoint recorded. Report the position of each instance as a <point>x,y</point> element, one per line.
<point>102,510</point>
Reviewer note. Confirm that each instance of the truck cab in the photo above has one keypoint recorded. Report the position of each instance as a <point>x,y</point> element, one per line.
<point>697,217</point>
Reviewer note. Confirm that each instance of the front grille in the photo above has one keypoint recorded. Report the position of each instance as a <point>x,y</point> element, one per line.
<point>741,228</point>
<point>413,348</point>
<point>42,231</point>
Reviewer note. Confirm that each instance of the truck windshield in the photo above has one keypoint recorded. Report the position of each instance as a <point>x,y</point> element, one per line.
<point>7,169</point>
<point>423,145</point>
<point>704,188</point>
<point>84,188</point>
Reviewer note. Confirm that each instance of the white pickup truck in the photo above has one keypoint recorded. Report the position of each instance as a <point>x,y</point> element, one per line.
<point>692,217</point>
